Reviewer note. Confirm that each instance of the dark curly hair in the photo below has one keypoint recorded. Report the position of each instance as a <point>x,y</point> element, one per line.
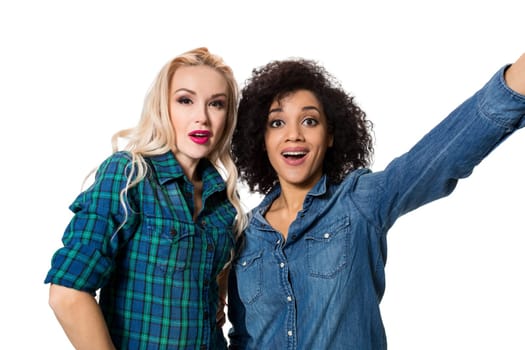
<point>352,132</point>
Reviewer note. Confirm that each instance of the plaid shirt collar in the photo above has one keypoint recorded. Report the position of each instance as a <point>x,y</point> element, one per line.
<point>167,168</point>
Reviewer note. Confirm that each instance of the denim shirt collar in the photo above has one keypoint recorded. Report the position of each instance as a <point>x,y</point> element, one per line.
<point>318,190</point>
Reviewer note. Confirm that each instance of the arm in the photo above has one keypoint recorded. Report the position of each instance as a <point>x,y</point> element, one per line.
<point>449,152</point>
<point>515,76</point>
<point>80,317</point>
<point>86,261</point>
<point>222,281</point>
<point>236,314</point>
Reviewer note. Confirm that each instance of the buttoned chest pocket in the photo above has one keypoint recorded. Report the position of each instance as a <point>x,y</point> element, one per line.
<point>248,270</point>
<point>328,249</point>
<point>166,248</point>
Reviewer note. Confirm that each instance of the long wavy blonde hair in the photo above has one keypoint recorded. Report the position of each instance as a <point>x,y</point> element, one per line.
<point>154,133</point>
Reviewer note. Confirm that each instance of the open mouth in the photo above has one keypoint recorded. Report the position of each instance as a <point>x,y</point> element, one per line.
<point>200,136</point>
<point>294,155</point>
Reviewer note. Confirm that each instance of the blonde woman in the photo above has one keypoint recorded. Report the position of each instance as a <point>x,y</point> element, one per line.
<point>156,228</point>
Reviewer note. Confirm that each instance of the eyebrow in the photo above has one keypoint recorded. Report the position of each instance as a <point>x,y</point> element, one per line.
<point>305,108</point>
<point>220,94</point>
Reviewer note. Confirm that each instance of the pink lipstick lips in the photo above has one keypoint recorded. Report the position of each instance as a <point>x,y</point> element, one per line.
<point>200,136</point>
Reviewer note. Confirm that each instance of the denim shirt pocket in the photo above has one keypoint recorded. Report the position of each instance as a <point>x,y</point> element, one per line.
<point>248,269</point>
<point>327,248</point>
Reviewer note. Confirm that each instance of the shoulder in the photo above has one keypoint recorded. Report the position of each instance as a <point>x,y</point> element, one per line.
<point>118,160</point>
<point>114,171</point>
<point>362,187</point>
<point>355,180</point>
<point>110,179</point>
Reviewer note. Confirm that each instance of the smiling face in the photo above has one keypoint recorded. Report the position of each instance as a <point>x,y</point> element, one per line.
<point>198,110</point>
<point>297,138</point>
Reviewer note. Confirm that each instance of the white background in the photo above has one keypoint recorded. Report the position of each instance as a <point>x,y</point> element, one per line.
<point>72,73</point>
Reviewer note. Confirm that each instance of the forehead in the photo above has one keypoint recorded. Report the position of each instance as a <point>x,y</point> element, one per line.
<point>299,98</point>
<point>199,78</point>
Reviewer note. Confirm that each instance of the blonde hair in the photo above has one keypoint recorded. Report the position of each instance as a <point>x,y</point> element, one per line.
<point>154,133</point>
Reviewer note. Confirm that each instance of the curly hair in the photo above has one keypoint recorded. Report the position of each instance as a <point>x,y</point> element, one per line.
<point>352,132</point>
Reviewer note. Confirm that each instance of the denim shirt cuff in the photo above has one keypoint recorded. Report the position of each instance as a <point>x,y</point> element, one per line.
<point>501,104</point>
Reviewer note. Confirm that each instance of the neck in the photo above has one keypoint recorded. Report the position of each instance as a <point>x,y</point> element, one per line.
<point>284,208</point>
<point>291,198</point>
<point>189,167</point>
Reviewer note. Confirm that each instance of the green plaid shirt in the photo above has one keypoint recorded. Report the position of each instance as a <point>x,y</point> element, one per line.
<point>157,273</point>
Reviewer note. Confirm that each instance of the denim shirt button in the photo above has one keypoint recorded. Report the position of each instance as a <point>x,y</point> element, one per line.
<point>290,333</point>
<point>244,263</point>
<point>326,235</point>
<point>281,265</point>
<point>289,298</point>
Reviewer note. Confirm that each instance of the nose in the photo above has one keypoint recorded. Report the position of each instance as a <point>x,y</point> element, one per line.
<point>294,133</point>
<point>201,114</point>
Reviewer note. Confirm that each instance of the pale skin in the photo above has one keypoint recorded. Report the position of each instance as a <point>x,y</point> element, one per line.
<point>198,97</point>
<point>290,130</point>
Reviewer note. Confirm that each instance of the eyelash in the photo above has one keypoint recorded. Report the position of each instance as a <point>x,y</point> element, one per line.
<point>272,123</point>
<point>216,103</point>
<point>311,122</point>
<point>184,100</point>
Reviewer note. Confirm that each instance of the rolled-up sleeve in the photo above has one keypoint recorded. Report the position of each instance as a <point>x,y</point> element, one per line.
<point>91,240</point>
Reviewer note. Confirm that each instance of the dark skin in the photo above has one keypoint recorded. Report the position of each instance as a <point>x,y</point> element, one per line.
<point>284,209</point>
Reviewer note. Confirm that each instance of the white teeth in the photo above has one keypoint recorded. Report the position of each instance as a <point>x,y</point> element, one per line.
<point>294,154</point>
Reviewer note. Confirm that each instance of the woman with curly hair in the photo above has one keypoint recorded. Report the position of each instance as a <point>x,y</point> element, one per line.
<point>309,269</point>
<point>155,230</point>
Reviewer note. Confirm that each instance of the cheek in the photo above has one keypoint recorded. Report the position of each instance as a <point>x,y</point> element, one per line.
<point>272,153</point>
<point>174,116</point>
<point>220,124</point>
<point>177,123</point>
<point>272,138</point>
<point>266,143</point>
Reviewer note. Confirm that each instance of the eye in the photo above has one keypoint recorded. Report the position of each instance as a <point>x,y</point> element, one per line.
<point>219,104</point>
<point>184,101</point>
<point>309,121</point>
<point>276,123</point>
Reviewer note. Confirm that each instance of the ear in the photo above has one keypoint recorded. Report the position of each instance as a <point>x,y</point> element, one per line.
<point>330,140</point>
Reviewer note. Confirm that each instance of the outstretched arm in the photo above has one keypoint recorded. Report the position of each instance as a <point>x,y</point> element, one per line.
<point>515,75</point>
<point>450,151</point>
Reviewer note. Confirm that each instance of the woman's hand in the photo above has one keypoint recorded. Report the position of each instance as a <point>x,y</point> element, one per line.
<point>221,315</point>
<point>515,75</point>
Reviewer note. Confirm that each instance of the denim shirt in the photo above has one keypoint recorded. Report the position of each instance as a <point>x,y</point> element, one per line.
<point>321,287</point>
